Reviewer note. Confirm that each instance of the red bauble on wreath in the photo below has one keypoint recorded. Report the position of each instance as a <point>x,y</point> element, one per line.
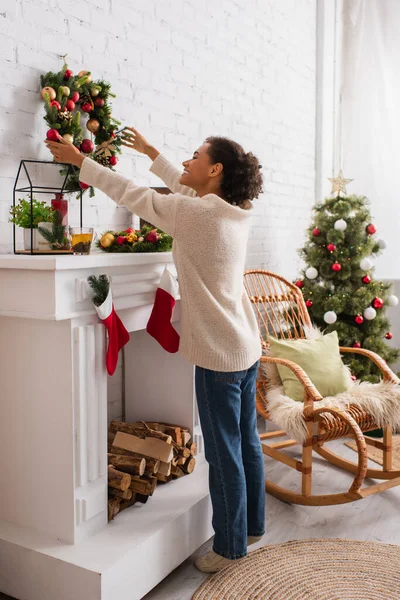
<point>113,160</point>
<point>86,146</point>
<point>299,283</point>
<point>331,247</point>
<point>359,319</point>
<point>316,232</point>
<point>52,135</point>
<point>377,303</point>
<point>370,229</point>
<point>336,267</point>
<point>366,279</point>
<point>309,303</point>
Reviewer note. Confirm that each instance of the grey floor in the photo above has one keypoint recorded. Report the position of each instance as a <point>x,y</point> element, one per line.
<point>375,518</point>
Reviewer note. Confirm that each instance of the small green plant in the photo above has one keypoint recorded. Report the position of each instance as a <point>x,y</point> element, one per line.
<point>22,216</point>
<point>57,238</point>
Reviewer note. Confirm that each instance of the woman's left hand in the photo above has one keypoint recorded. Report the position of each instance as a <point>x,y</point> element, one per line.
<point>65,152</point>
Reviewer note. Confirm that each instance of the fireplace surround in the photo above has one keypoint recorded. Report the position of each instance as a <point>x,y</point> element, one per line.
<point>54,538</point>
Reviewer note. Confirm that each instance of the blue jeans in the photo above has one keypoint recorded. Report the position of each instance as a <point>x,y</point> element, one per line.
<point>226,403</point>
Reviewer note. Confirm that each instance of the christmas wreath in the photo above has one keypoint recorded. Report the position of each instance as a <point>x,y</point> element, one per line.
<point>65,96</point>
<point>147,239</point>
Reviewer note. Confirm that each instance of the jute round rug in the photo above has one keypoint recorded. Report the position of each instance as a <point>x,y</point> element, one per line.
<point>310,570</point>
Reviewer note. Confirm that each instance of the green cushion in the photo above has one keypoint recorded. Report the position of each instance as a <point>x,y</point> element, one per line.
<point>320,359</point>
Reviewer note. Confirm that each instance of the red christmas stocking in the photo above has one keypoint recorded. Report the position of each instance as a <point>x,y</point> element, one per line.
<point>159,325</point>
<point>118,336</point>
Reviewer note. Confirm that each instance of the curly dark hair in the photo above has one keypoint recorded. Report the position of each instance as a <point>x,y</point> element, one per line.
<point>242,179</point>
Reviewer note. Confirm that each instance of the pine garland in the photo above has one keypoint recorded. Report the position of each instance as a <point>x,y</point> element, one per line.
<point>100,286</point>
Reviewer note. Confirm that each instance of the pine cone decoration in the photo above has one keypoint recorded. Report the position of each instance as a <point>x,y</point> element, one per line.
<point>102,160</point>
<point>65,117</point>
<point>86,98</point>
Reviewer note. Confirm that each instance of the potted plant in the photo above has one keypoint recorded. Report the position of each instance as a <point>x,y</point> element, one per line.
<point>28,218</point>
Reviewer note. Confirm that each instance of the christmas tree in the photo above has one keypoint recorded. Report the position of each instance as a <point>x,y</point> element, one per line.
<point>338,285</point>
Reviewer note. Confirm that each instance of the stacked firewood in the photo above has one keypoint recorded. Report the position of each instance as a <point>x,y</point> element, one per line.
<point>142,454</point>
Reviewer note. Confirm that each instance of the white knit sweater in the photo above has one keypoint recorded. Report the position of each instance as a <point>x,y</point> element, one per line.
<point>218,326</point>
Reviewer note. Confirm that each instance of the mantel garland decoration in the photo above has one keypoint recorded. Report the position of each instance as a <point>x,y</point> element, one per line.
<point>63,94</point>
<point>147,239</point>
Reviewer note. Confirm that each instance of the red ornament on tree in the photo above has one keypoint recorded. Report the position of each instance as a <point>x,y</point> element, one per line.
<point>70,105</point>
<point>389,335</point>
<point>336,267</point>
<point>86,107</point>
<point>113,160</point>
<point>366,279</point>
<point>359,319</point>
<point>331,247</point>
<point>52,135</point>
<point>316,232</point>
<point>309,303</point>
<point>356,345</point>
<point>68,74</point>
<point>377,303</point>
<point>299,283</point>
<point>75,97</point>
<point>370,229</point>
<point>56,104</point>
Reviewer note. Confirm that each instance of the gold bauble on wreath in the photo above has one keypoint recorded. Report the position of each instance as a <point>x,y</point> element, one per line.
<point>50,91</point>
<point>93,125</point>
<point>85,73</point>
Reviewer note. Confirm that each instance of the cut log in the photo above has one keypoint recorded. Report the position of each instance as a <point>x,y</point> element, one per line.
<point>127,503</point>
<point>177,472</point>
<point>181,460</point>
<point>124,495</point>
<point>192,446</point>
<point>164,468</point>
<point>186,437</point>
<point>139,431</point>
<point>174,431</point>
<point>146,446</point>
<point>163,478</point>
<point>189,465</point>
<point>141,498</point>
<point>140,485</point>
<point>127,464</point>
<point>113,507</point>
<point>181,451</point>
<point>118,480</point>
<point>151,463</point>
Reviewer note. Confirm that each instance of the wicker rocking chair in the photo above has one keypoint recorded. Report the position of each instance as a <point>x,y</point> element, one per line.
<point>281,311</point>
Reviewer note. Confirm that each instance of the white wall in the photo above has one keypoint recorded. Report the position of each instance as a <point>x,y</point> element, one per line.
<point>182,70</point>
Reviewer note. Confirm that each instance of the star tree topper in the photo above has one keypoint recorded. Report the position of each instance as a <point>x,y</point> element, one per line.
<point>339,184</point>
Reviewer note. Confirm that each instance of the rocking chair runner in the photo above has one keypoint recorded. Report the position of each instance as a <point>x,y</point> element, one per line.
<point>281,311</point>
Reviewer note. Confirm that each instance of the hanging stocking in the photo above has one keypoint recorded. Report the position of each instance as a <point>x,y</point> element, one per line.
<point>159,325</point>
<point>118,336</point>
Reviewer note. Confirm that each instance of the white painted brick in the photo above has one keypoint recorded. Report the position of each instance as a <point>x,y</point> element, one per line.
<point>181,70</point>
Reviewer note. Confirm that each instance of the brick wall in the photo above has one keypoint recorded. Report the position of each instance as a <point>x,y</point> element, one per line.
<point>182,70</point>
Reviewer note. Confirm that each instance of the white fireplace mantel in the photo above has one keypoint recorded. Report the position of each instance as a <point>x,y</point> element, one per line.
<point>55,541</point>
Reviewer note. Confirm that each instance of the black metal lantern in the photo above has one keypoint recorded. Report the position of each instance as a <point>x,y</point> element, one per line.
<point>58,203</point>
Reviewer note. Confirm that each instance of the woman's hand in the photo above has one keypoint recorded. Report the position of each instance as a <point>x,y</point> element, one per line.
<point>136,141</point>
<point>65,152</point>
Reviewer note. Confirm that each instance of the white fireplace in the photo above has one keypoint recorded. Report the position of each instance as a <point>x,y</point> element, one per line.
<point>55,542</point>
